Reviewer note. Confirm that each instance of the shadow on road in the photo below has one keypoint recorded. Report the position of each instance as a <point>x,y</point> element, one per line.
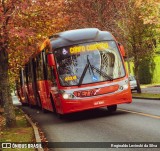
<point>78,116</point>
<point>91,114</point>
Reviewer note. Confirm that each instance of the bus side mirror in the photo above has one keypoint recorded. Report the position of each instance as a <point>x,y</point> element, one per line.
<point>122,51</point>
<point>51,61</point>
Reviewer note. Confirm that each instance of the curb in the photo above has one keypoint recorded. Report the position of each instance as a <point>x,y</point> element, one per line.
<point>150,86</point>
<point>36,132</point>
<point>146,98</point>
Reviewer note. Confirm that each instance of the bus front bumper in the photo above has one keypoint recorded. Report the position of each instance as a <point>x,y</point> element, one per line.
<point>75,105</point>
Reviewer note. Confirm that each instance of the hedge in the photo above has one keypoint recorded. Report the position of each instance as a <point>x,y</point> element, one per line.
<point>149,70</point>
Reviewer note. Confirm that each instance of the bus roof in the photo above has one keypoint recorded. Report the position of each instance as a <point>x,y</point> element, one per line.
<point>77,36</point>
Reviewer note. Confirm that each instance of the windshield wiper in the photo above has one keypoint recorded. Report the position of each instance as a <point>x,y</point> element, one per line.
<point>102,73</point>
<point>88,65</point>
<point>83,74</point>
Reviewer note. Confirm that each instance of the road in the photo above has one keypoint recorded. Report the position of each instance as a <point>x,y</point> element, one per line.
<point>155,90</point>
<point>136,122</point>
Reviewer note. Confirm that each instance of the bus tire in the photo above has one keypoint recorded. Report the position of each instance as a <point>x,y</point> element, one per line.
<point>29,103</point>
<point>54,108</point>
<point>41,107</point>
<point>53,105</point>
<point>23,104</point>
<point>44,110</point>
<point>60,116</point>
<point>39,101</point>
<point>112,108</point>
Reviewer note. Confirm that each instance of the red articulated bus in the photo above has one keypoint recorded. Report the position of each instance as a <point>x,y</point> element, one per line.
<point>76,70</point>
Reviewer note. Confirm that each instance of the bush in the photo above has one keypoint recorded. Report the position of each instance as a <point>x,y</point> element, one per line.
<point>149,70</point>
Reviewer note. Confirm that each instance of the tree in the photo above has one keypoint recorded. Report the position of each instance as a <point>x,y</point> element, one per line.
<point>23,24</point>
<point>6,13</point>
<point>100,14</point>
<point>139,34</point>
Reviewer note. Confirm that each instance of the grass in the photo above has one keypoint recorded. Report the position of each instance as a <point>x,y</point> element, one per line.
<point>146,95</point>
<point>22,133</point>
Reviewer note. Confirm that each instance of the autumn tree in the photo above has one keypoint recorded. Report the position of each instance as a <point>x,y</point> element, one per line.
<point>23,24</point>
<point>100,14</point>
<point>6,9</point>
<point>34,22</point>
<point>139,28</point>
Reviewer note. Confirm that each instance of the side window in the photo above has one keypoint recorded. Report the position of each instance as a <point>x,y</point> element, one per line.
<point>25,73</point>
<point>34,70</point>
<point>36,66</point>
<point>21,77</point>
<point>18,85</point>
<point>50,75</point>
<point>39,67</point>
<point>50,72</point>
<point>43,71</point>
<point>29,73</point>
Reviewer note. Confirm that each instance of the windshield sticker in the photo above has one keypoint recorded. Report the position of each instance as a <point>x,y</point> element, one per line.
<point>64,51</point>
<point>89,47</point>
<point>95,78</point>
<point>70,78</point>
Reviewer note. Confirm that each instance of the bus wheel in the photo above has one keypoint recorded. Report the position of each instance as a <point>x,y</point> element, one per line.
<point>53,105</point>
<point>61,116</point>
<point>44,110</point>
<point>29,102</point>
<point>112,108</point>
<point>39,101</point>
<point>23,104</point>
<point>54,108</point>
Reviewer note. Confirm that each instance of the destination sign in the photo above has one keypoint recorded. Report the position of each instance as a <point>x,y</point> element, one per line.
<point>89,47</point>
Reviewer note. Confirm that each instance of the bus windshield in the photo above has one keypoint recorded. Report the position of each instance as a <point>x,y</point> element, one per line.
<point>89,63</point>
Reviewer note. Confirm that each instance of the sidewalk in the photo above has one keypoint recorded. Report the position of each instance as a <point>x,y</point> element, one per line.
<point>148,98</point>
<point>16,102</point>
<point>22,135</point>
<point>148,93</point>
<point>150,85</point>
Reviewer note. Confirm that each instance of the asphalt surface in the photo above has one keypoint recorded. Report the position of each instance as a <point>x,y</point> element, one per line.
<point>153,89</point>
<point>136,122</point>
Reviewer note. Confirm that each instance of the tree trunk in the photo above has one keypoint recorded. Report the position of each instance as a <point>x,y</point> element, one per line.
<point>129,68</point>
<point>1,100</point>
<point>136,65</point>
<point>9,111</point>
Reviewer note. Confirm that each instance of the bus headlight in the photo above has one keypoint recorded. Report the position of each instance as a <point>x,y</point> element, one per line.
<point>67,96</point>
<point>123,87</point>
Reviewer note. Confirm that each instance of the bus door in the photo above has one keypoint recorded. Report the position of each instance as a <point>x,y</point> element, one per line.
<point>43,85</point>
<point>50,84</point>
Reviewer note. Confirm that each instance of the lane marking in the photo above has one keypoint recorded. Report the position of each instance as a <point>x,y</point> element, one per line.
<point>140,113</point>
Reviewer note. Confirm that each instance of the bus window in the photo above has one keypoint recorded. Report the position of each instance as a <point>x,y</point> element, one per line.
<point>39,67</point>
<point>21,77</point>
<point>29,73</point>
<point>50,73</point>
